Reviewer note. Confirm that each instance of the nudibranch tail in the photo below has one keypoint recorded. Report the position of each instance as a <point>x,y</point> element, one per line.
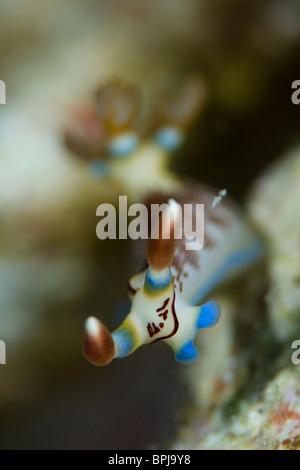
<point>98,344</point>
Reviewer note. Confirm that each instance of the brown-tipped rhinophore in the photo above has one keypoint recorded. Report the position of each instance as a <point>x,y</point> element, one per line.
<point>181,107</point>
<point>85,136</point>
<point>98,344</point>
<point>160,251</point>
<point>118,104</point>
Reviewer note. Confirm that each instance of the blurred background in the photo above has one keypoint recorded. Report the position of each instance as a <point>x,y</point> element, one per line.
<point>54,272</point>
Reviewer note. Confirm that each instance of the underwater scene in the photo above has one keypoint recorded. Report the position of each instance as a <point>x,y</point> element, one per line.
<point>150,225</point>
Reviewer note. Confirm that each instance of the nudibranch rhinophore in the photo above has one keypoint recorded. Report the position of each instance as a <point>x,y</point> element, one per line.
<point>167,295</point>
<point>106,135</point>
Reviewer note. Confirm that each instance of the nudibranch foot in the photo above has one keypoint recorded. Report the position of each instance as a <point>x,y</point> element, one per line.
<point>209,315</point>
<point>188,353</point>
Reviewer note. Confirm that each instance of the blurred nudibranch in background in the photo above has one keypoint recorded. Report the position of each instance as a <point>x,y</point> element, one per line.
<point>108,135</point>
<point>167,295</point>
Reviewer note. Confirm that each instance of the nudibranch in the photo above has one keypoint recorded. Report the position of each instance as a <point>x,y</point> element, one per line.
<point>107,135</point>
<point>167,296</point>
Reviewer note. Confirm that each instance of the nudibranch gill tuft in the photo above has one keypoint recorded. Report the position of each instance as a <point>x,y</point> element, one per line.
<point>167,295</point>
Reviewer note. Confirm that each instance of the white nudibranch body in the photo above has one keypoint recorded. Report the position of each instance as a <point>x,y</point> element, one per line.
<point>166,296</point>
